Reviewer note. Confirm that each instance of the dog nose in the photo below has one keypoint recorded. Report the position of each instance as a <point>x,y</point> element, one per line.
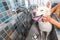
<point>34,13</point>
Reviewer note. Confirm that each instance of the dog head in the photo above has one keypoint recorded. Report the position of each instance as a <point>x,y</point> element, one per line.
<point>40,11</point>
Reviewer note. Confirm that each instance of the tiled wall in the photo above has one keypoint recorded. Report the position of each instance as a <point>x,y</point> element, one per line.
<point>15,27</point>
<point>5,10</point>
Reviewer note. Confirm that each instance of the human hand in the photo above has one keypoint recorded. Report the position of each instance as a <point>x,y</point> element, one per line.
<point>46,18</point>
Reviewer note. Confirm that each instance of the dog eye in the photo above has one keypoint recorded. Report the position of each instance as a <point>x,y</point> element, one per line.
<point>42,10</point>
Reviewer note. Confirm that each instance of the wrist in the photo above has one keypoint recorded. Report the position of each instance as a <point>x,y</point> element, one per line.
<point>51,20</point>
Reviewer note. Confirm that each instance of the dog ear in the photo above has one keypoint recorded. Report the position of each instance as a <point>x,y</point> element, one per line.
<point>48,4</point>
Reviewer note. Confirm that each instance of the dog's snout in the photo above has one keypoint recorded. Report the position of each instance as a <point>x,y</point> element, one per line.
<point>34,13</point>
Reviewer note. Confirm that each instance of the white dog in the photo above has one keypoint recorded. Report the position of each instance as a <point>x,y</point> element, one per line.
<point>43,26</point>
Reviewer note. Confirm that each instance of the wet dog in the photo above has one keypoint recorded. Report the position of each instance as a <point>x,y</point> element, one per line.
<point>43,26</point>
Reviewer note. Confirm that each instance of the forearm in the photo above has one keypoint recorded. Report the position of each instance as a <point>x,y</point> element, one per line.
<point>54,9</point>
<point>54,22</point>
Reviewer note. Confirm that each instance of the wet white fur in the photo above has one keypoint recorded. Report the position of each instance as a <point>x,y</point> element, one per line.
<point>44,26</point>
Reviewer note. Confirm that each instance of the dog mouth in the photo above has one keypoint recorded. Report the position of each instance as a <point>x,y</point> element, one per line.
<point>36,18</point>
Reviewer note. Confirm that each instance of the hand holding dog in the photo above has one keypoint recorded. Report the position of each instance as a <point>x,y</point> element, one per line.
<point>46,18</point>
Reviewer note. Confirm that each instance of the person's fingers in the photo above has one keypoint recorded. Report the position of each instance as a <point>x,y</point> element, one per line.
<point>47,16</point>
<point>44,19</point>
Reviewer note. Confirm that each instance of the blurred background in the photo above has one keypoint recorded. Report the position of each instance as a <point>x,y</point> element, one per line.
<point>16,18</point>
